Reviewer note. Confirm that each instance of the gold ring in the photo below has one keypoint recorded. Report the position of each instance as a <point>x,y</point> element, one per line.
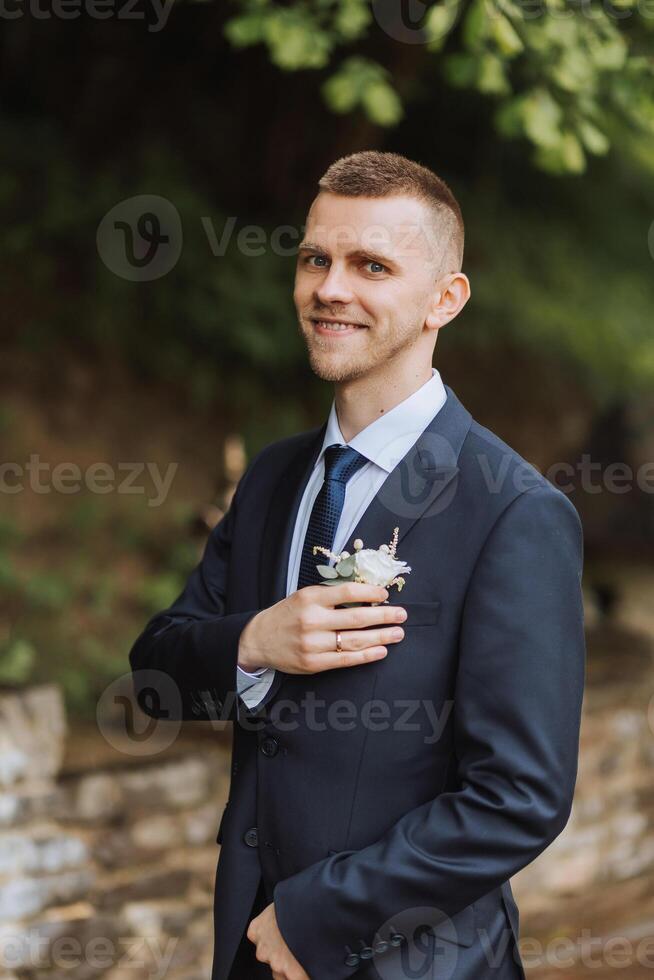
<point>339,648</point>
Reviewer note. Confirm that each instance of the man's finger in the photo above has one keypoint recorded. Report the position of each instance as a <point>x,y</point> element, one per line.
<point>333,595</point>
<point>317,662</point>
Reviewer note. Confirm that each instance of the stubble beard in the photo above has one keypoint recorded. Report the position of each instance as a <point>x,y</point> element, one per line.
<point>335,368</point>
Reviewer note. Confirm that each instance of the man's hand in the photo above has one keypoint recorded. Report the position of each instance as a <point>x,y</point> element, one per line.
<point>264,932</point>
<point>298,634</point>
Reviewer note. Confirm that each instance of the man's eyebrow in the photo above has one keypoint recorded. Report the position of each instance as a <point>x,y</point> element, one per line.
<point>358,253</point>
<point>310,247</point>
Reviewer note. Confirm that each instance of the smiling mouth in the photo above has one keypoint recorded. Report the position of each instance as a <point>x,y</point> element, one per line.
<point>336,326</point>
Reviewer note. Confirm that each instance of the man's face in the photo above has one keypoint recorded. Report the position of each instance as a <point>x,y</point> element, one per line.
<point>372,264</point>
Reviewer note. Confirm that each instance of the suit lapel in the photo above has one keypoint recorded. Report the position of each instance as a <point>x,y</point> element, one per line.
<point>280,522</point>
<point>415,488</point>
<point>422,482</point>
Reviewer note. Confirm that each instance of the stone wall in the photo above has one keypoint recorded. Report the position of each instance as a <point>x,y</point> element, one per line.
<point>106,870</point>
<point>108,860</point>
<point>587,902</point>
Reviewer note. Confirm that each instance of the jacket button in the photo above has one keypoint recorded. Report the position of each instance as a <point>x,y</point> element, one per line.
<point>366,953</point>
<point>251,837</point>
<point>270,746</point>
<point>352,959</point>
<point>381,946</point>
<point>397,939</point>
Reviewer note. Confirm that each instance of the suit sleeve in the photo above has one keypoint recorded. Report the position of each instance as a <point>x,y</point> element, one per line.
<point>516,717</point>
<point>184,663</point>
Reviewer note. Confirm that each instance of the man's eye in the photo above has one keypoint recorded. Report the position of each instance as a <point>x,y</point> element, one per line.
<point>376,266</point>
<point>318,259</point>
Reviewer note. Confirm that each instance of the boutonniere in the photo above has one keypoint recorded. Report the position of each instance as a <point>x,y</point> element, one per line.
<point>367,565</point>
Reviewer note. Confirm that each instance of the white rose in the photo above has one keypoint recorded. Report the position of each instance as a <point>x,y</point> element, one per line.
<point>378,568</point>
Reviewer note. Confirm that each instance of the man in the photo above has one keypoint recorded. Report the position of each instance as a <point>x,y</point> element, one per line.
<point>395,762</point>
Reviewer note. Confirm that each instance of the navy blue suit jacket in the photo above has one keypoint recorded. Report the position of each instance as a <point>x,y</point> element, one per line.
<point>387,805</point>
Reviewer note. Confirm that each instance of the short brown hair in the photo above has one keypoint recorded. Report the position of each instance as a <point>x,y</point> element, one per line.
<point>373,173</point>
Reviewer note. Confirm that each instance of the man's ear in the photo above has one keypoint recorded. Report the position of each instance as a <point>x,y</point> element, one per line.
<point>451,293</point>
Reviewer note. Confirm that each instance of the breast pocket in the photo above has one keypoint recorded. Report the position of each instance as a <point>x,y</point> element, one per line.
<point>417,666</point>
<point>420,613</point>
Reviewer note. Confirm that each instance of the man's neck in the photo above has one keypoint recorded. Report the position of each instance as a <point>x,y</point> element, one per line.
<point>362,401</point>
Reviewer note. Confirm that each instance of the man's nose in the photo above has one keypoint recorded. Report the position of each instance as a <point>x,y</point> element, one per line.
<point>335,287</point>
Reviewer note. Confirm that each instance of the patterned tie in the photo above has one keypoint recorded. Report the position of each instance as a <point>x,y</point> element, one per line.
<point>341,462</point>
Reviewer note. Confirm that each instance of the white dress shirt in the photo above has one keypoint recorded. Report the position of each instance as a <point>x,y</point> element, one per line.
<point>384,443</point>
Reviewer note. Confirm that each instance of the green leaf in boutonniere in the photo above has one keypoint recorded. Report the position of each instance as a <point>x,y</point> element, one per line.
<point>327,571</point>
<point>346,567</point>
<point>366,565</point>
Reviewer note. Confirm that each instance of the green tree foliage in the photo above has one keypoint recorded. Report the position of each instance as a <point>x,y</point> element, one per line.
<point>560,263</point>
<point>559,72</point>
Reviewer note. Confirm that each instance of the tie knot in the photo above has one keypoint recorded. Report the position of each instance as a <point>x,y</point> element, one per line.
<point>342,462</point>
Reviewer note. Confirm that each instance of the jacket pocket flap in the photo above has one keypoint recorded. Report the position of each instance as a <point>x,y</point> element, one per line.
<point>420,613</point>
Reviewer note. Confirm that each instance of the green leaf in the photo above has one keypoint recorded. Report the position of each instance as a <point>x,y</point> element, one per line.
<point>438,23</point>
<point>245,30</point>
<point>593,139</point>
<point>382,103</point>
<point>347,566</point>
<point>564,158</point>
<point>542,116</point>
<point>295,41</point>
<point>340,95</point>
<point>346,89</point>
<point>509,118</point>
<point>505,36</point>
<point>476,25</point>
<point>573,154</point>
<point>607,48</point>
<point>562,31</point>
<point>574,72</point>
<point>492,77</point>
<point>352,19</point>
<point>16,662</point>
<point>460,70</point>
<point>327,571</point>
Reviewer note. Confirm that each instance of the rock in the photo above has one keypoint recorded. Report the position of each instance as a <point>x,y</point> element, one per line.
<point>40,854</point>
<point>99,797</point>
<point>200,825</point>
<point>177,784</point>
<point>142,885</point>
<point>25,896</point>
<point>158,832</point>
<point>32,734</point>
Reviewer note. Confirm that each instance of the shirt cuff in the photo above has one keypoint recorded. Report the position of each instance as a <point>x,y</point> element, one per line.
<point>252,688</point>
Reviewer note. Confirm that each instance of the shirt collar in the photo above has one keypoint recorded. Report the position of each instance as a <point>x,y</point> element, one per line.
<point>386,440</point>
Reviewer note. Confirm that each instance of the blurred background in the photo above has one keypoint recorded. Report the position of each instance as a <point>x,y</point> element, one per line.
<point>157,164</point>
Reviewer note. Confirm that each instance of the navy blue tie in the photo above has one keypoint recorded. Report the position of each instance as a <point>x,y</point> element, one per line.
<point>341,462</point>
